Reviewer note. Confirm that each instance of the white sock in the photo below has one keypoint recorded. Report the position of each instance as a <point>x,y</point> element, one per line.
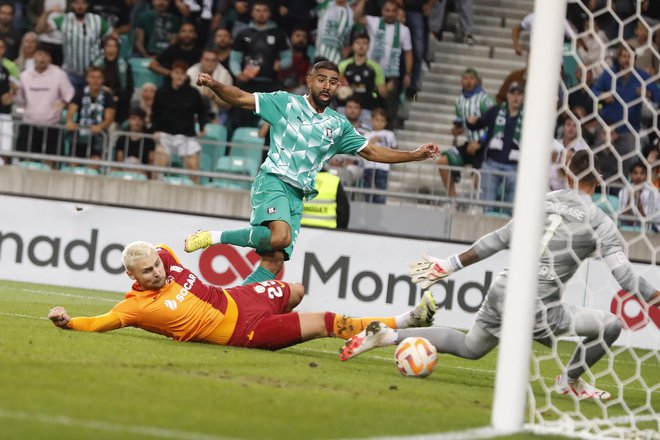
<point>403,320</point>
<point>216,237</point>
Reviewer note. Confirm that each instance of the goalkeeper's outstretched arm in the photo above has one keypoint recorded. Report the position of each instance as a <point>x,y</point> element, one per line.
<point>431,269</point>
<point>101,323</point>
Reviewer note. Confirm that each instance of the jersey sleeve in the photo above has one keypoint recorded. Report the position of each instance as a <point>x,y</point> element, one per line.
<point>268,106</point>
<point>494,242</point>
<point>127,311</point>
<point>380,73</point>
<point>350,141</point>
<point>101,323</point>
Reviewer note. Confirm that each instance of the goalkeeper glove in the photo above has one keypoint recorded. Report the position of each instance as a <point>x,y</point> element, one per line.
<point>431,270</point>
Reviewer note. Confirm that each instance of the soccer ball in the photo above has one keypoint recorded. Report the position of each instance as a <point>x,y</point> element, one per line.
<point>415,357</point>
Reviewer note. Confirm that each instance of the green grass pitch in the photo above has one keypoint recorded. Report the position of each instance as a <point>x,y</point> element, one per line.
<point>130,384</point>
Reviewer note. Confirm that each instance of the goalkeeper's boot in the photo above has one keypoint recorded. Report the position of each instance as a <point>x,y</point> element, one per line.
<point>375,335</point>
<point>198,240</point>
<point>422,314</point>
<point>580,389</point>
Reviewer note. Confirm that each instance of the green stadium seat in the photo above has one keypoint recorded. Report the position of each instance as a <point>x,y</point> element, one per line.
<point>128,175</point>
<point>80,170</point>
<point>178,180</point>
<point>214,146</point>
<point>142,74</point>
<point>247,144</point>
<point>34,165</point>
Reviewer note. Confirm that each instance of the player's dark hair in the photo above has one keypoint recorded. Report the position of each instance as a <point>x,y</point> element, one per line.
<point>585,167</point>
<point>638,164</point>
<point>359,35</point>
<point>179,64</point>
<point>91,69</point>
<point>262,3</point>
<point>378,111</point>
<point>325,65</point>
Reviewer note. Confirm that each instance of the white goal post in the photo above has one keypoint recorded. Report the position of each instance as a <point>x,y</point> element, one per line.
<point>527,402</point>
<point>533,169</point>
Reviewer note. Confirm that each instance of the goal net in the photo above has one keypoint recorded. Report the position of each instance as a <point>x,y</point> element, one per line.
<point>608,102</point>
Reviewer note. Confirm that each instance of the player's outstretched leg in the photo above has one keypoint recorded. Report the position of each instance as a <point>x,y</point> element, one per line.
<point>375,335</point>
<point>579,388</point>
<point>258,237</point>
<point>423,313</point>
<point>199,240</point>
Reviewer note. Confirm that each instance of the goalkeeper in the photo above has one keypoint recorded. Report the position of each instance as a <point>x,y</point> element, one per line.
<point>170,300</point>
<point>575,229</point>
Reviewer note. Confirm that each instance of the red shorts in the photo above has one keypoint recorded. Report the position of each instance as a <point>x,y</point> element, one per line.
<point>255,302</point>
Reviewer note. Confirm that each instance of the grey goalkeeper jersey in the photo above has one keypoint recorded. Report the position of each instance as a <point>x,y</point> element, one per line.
<point>575,229</point>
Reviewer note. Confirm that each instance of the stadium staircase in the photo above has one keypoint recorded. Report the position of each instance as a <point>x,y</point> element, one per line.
<point>431,114</point>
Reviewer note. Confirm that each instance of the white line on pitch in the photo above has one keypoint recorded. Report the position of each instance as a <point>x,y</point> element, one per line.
<point>68,295</point>
<point>151,431</point>
<point>468,434</point>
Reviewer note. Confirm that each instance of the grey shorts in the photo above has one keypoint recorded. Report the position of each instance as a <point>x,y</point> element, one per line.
<point>179,145</point>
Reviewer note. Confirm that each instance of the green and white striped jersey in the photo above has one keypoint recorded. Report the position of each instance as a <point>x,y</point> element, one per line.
<point>302,140</point>
<point>334,31</point>
<point>476,104</point>
<point>81,39</point>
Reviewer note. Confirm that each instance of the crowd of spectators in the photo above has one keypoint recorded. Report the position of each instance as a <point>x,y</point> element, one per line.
<point>53,56</point>
<point>84,69</point>
<point>608,104</point>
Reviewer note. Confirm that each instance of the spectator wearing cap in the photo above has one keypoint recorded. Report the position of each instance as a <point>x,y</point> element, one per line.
<point>501,146</point>
<point>473,101</point>
<point>363,76</point>
<point>44,90</point>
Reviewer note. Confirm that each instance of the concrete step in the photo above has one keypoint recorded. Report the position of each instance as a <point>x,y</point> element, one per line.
<point>420,112</point>
<point>479,20</point>
<point>442,125</point>
<point>497,62</point>
<point>454,88</point>
<point>483,40</point>
<point>523,5</point>
<point>448,73</point>
<point>515,13</point>
<point>435,98</point>
<point>439,116</point>
<point>415,138</point>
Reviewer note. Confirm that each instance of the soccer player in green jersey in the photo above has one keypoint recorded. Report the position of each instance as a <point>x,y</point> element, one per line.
<point>304,134</point>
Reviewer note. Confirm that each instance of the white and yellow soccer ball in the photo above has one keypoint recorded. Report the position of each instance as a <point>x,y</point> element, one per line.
<point>415,357</point>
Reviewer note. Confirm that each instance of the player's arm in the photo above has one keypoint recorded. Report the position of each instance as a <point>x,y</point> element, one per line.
<point>230,94</point>
<point>431,269</point>
<point>100,323</point>
<point>376,153</point>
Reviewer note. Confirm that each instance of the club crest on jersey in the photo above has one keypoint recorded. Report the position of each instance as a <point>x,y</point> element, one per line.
<point>328,133</point>
<point>270,39</point>
<point>271,210</point>
<point>170,304</point>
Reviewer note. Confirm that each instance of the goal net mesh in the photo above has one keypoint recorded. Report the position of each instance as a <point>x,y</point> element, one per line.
<point>609,103</point>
